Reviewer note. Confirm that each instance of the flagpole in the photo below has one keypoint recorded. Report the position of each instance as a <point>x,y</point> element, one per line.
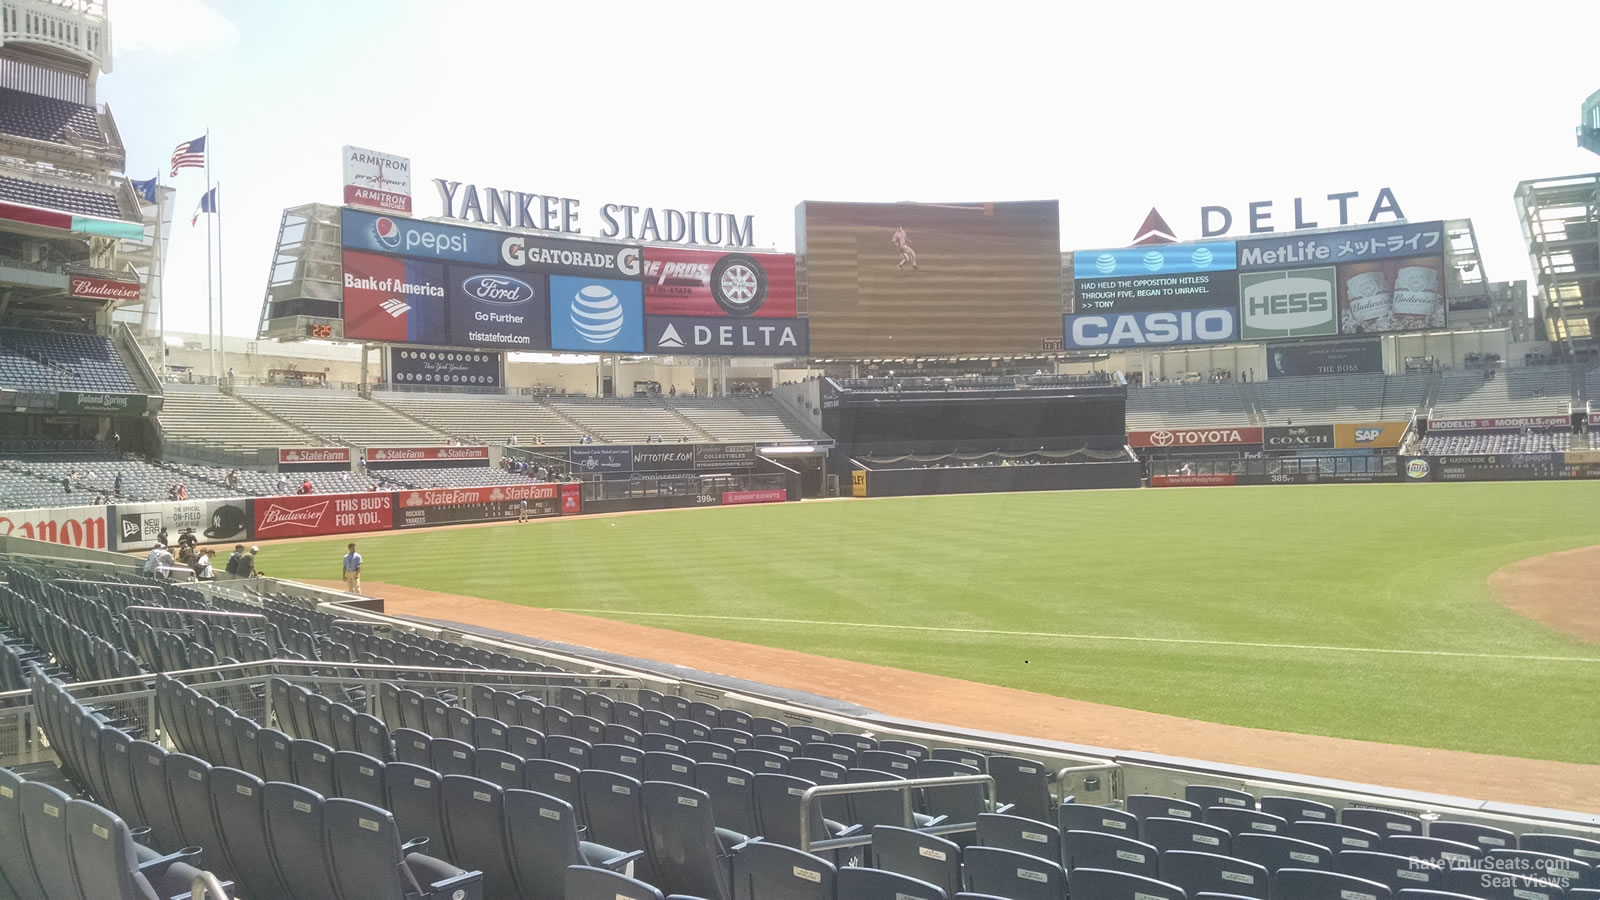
<point>156,262</point>
<point>222,339</point>
<point>211,355</point>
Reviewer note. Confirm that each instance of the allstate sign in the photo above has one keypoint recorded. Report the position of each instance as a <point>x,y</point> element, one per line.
<point>1158,328</point>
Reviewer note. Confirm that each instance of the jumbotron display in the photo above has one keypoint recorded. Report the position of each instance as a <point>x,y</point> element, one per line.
<point>931,279</point>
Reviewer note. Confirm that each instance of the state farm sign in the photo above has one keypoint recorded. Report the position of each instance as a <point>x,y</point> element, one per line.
<point>103,288</point>
<point>1194,437</point>
<point>416,454</point>
<point>83,526</point>
<point>279,517</point>
<point>313,455</point>
<point>496,494</point>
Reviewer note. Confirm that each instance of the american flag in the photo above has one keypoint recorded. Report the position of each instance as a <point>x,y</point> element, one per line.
<point>189,155</point>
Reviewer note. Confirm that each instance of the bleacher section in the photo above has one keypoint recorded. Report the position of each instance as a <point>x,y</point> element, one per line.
<point>81,201</point>
<point>343,417</point>
<point>340,741</point>
<point>209,416</point>
<point>61,361</point>
<point>755,419</point>
<point>490,420</point>
<point>1537,391</point>
<point>1341,398</point>
<point>41,118</point>
<point>1186,406</point>
<point>627,421</point>
<point>1458,444</point>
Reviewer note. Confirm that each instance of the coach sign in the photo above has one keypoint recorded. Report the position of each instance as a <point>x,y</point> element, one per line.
<point>1195,437</point>
<point>1298,437</point>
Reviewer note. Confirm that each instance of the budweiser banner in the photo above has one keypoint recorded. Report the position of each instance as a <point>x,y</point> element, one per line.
<point>1505,424</point>
<point>313,455</point>
<point>485,504</point>
<point>734,498</point>
<point>423,454</point>
<point>82,526</point>
<point>281,517</point>
<point>103,288</point>
<point>1194,437</point>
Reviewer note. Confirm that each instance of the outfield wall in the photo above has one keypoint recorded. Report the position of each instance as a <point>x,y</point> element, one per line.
<point>995,479</point>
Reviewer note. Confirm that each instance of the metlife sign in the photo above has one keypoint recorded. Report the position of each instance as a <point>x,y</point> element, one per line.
<point>1170,328</point>
<point>708,336</point>
<point>1337,247</point>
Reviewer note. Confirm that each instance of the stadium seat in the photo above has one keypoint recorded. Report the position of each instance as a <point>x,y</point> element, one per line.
<point>1335,837</point>
<point>475,827</point>
<point>1294,809</point>
<point>1492,884</point>
<point>1569,873</point>
<point>765,871</point>
<point>614,813</point>
<point>1484,836</point>
<point>663,766</point>
<point>1100,850</point>
<point>1316,884</point>
<point>927,858</point>
<point>1562,845</point>
<point>1006,873</point>
<point>688,853</point>
<point>855,883</point>
<point>1019,834</point>
<point>368,862</point>
<point>1181,834</point>
<point>1274,851</point>
<point>1025,785</point>
<point>295,836</point>
<point>357,776</point>
<point>567,749</point>
<point>709,752</point>
<point>1237,821</point>
<point>1113,885</point>
<point>1391,870</point>
<point>312,764</point>
<point>1445,853</point>
<point>189,790</point>
<point>451,757</point>
<point>1209,795</point>
<point>592,883</point>
<point>150,782</point>
<point>499,767</point>
<point>761,761</point>
<point>237,805</point>
<point>1088,817</point>
<point>48,852</point>
<point>1145,806</point>
<point>732,795</point>
<point>106,864</point>
<point>558,779</point>
<point>778,812</point>
<point>524,742</point>
<point>416,800</point>
<point>956,803</point>
<point>273,748</point>
<point>1380,821</point>
<point>542,835</point>
<point>1196,872</point>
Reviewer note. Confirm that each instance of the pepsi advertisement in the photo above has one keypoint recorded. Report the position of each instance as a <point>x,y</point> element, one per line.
<point>416,238</point>
<point>596,315</point>
<point>498,309</point>
<point>387,298</point>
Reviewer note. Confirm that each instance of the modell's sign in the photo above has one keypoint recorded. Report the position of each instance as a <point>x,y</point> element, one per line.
<point>1504,424</point>
<point>313,455</point>
<point>376,180</point>
<point>103,288</point>
<point>496,494</point>
<point>280,517</point>
<point>1194,437</point>
<point>415,454</point>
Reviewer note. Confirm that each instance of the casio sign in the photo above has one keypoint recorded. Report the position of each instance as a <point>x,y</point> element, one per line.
<point>1189,326</point>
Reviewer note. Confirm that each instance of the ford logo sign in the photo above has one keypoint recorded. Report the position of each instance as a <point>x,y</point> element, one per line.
<point>497,289</point>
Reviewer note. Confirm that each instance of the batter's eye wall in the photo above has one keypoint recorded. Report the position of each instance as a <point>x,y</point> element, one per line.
<point>987,277</point>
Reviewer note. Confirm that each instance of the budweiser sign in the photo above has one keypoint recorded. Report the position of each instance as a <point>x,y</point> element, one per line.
<point>1505,424</point>
<point>328,514</point>
<point>462,496</point>
<point>103,288</point>
<point>1194,437</point>
<point>313,455</point>
<point>412,454</point>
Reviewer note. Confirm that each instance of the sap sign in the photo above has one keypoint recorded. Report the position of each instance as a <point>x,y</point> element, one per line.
<point>1164,328</point>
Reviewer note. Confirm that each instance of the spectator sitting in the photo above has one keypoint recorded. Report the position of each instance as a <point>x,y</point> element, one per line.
<point>306,488</point>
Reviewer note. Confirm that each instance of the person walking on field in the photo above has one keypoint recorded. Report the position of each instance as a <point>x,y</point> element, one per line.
<point>352,571</point>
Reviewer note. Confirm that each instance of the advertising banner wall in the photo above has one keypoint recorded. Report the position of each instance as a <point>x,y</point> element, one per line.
<point>102,288</point>
<point>725,456</point>
<point>83,526</point>
<point>1509,467</point>
<point>444,367</point>
<point>389,298</point>
<point>102,403</point>
<point>490,308</point>
<point>658,458</point>
<point>1336,358</point>
<point>377,455</point>
<point>1503,424</point>
<point>1594,418</point>
<point>858,483</point>
<point>705,283</point>
<point>281,517</point>
<point>414,237</point>
<point>1194,437</point>
<point>1298,437</point>
<point>1377,242</point>
<point>735,498</point>
<point>376,180</point>
<point>1161,328</point>
<point>1193,480</point>
<point>313,455</point>
<point>727,337</point>
<point>600,459</point>
<point>1166,276</point>
<point>1368,435</point>
<point>571,499</point>
<point>444,507</point>
<point>134,526</point>
<point>596,314</point>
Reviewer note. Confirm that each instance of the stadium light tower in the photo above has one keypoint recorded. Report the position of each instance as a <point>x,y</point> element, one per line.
<point>1589,126</point>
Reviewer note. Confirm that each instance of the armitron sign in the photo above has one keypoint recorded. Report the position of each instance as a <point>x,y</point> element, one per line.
<point>1194,437</point>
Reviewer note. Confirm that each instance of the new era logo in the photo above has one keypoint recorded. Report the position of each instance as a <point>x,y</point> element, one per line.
<point>395,307</point>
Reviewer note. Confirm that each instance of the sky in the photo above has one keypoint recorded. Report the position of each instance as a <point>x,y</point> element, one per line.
<point>751,107</point>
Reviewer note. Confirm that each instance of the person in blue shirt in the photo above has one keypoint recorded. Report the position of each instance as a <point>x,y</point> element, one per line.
<point>352,571</point>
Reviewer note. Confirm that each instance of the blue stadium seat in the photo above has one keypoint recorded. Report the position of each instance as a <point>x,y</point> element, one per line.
<point>1237,821</point>
<point>1335,837</point>
<point>1209,795</point>
<point>475,829</point>
<point>764,871</point>
<point>732,794</point>
<point>1316,884</point>
<point>416,799</point>
<point>1294,809</point>
<point>662,766</point>
<point>614,813</point>
<point>1088,817</point>
<point>1022,835</point>
<point>1182,834</point>
<point>1380,821</point>
<point>1025,784</point>
<point>237,805</point>
<point>1492,884</point>
<point>498,767</point>
<point>357,776</point>
<point>368,862</point>
<point>295,836</point>
<point>592,883</point>
<point>1196,872</point>
<point>1100,850</point>
<point>1396,872</point>
<point>1006,873</point>
<point>928,858</point>
<point>105,860</point>
<point>312,764</point>
<point>542,836</point>
<point>854,883</point>
<point>1105,884</point>
<point>1145,806</point>
<point>688,853</point>
<point>1274,851</point>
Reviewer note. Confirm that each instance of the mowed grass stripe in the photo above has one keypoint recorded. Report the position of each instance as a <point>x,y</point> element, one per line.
<point>1400,567</point>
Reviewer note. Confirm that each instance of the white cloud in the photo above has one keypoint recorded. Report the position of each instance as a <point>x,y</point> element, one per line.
<point>170,27</point>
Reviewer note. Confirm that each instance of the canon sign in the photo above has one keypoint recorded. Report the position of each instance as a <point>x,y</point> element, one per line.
<point>1194,437</point>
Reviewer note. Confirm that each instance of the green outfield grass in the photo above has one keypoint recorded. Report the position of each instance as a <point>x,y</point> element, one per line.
<point>1378,567</point>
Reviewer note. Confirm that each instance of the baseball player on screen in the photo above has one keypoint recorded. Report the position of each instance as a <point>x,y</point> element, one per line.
<point>907,255</point>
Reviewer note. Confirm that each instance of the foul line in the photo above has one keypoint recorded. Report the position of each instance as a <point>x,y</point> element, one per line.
<point>1087,637</point>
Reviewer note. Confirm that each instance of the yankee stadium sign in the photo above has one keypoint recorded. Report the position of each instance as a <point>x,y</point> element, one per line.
<point>543,212</point>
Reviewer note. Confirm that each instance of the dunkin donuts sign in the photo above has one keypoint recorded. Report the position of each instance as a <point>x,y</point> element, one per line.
<point>1195,437</point>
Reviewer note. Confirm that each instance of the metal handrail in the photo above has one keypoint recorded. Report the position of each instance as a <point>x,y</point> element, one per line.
<point>194,612</point>
<point>905,788</point>
<point>1063,774</point>
<point>206,887</point>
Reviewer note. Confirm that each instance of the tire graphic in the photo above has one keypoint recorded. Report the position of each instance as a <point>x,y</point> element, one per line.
<point>739,284</point>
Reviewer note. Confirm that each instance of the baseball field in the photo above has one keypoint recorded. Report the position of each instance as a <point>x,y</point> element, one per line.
<point>1352,611</point>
